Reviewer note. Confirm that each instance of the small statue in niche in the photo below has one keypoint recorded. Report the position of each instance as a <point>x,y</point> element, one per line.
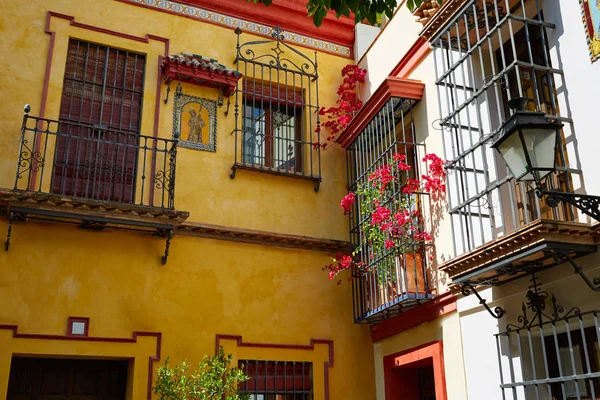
<point>195,121</point>
<point>196,124</point>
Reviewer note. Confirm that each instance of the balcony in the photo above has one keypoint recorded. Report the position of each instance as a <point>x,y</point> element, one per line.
<point>93,176</point>
<point>538,246</point>
<point>393,275</point>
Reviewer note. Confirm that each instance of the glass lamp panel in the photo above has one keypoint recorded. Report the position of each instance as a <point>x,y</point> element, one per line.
<point>541,146</point>
<point>513,153</point>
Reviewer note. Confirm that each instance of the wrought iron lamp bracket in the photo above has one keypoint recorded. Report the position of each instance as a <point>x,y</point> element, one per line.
<point>562,257</point>
<point>497,312</point>
<point>588,204</point>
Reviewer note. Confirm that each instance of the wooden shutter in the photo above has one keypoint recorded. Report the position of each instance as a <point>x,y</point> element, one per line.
<point>100,115</point>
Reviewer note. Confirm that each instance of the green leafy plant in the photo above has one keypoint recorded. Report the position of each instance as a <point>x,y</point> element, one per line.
<point>362,9</point>
<point>214,379</point>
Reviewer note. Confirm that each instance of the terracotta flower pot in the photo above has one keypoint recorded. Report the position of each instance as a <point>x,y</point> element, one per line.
<point>404,280</point>
<point>407,271</point>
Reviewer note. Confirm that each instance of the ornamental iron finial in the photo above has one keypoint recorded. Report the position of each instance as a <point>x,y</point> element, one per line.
<point>536,303</point>
<point>277,33</point>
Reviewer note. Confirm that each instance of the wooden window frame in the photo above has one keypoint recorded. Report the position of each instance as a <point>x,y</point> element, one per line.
<point>267,98</point>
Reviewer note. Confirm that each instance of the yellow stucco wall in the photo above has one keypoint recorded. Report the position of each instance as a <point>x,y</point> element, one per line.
<point>265,294</point>
<point>203,183</point>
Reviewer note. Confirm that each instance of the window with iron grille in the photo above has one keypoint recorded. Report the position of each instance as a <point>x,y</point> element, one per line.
<point>395,277</point>
<point>490,52</point>
<point>99,124</point>
<point>549,352</point>
<point>277,119</point>
<point>277,380</point>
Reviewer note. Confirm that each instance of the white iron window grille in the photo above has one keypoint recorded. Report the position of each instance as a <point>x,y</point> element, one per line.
<point>490,52</point>
<point>550,353</point>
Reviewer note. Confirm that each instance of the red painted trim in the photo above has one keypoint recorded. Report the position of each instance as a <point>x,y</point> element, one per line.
<point>86,322</point>
<point>438,306</point>
<point>391,87</point>
<point>78,338</point>
<point>174,70</point>
<point>411,60</point>
<point>72,22</point>
<point>426,354</point>
<point>157,105</point>
<point>292,15</point>
<point>326,365</point>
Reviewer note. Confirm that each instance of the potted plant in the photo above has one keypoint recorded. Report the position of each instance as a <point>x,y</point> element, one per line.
<point>392,232</point>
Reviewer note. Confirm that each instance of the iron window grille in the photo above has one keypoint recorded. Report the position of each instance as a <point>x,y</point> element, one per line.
<point>396,277</point>
<point>277,118</point>
<point>490,52</point>
<point>277,380</point>
<point>551,353</point>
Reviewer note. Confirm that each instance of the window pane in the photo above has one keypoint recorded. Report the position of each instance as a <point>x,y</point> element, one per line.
<point>254,120</point>
<point>284,139</point>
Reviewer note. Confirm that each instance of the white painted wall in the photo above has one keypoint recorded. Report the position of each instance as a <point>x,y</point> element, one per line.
<point>396,37</point>
<point>364,36</point>
<point>580,97</point>
<point>472,340</point>
<point>478,327</point>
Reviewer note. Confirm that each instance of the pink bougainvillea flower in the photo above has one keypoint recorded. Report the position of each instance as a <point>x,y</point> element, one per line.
<point>411,186</point>
<point>380,215</point>
<point>348,202</point>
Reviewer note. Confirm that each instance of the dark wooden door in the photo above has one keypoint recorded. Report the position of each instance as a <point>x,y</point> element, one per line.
<point>63,379</point>
<point>426,383</point>
<point>100,118</point>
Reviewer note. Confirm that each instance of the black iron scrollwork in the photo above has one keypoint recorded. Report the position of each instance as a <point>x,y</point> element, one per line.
<point>589,205</point>
<point>162,179</point>
<point>497,312</point>
<point>484,16</point>
<point>276,58</point>
<point>536,303</point>
<point>29,160</point>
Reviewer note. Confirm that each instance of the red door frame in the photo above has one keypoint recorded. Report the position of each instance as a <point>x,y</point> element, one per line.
<point>427,354</point>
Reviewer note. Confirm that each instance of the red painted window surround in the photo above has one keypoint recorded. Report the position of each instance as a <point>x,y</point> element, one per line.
<point>84,320</point>
<point>400,368</point>
<point>134,339</point>
<point>411,60</point>
<point>291,15</point>
<point>390,87</point>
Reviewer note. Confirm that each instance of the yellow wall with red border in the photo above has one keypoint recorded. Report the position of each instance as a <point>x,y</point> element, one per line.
<point>265,294</point>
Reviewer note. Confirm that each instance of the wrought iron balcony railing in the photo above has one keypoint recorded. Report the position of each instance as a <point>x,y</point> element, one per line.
<point>396,281</point>
<point>95,163</point>
<point>394,275</point>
